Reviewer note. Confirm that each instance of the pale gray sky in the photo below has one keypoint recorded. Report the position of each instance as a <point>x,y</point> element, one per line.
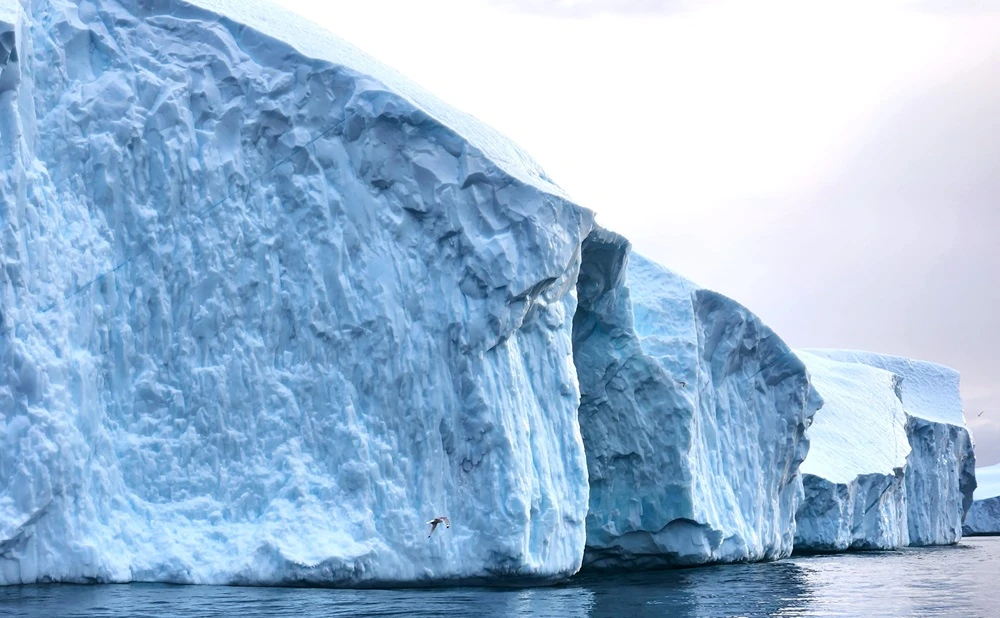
<point>833,166</point>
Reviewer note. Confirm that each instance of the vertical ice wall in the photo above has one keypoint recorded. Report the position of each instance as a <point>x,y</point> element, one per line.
<point>263,315</point>
<point>855,493</point>
<point>940,471</point>
<point>693,414</point>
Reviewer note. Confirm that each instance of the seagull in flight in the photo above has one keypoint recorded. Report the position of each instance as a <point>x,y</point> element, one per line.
<point>437,520</point>
<point>981,413</point>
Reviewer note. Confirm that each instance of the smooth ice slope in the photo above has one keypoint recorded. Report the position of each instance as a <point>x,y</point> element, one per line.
<point>855,495</point>
<point>265,311</point>
<point>693,414</point>
<point>984,514</point>
<point>940,473</point>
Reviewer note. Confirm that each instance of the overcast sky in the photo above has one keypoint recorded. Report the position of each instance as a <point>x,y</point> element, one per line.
<point>836,169</point>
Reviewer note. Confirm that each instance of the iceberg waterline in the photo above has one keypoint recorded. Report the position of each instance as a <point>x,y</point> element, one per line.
<point>266,307</point>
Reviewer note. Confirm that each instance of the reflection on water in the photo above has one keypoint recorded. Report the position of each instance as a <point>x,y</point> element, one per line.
<point>948,581</point>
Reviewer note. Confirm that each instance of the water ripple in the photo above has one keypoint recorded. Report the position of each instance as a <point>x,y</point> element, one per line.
<point>947,581</point>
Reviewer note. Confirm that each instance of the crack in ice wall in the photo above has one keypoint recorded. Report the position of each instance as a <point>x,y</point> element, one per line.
<point>263,316</point>
<point>693,415</point>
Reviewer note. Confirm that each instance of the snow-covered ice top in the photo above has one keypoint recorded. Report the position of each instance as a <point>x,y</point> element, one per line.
<point>861,428</point>
<point>988,482</point>
<point>930,391</point>
<point>316,42</point>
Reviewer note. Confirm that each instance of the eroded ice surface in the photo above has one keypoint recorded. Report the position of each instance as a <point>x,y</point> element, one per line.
<point>855,494</point>
<point>266,311</point>
<point>693,415</point>
<point>940,476</point>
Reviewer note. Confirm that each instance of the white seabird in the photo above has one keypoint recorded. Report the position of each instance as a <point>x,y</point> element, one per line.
<point>437,520</point>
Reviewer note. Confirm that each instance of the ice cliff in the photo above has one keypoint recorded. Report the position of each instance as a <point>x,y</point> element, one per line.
<point>855,494</point>
<point>940,469</point>
<point>984,514</point>
<point>693,415</point>
<point>267,308</point>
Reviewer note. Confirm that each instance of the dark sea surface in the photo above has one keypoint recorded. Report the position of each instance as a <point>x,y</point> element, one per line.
<point>962,580</point>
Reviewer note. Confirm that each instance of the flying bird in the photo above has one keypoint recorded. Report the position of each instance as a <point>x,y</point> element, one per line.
<point>437,520</point>
<point>981,413</point>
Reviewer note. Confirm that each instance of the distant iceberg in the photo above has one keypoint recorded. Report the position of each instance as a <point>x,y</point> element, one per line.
<point>984,514</point>
<point>939,473</point>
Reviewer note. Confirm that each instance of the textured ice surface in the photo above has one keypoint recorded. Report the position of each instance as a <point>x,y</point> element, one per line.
<point>855,496</point>
<point>264,314</point>
<point>940,475</point>
<point>692,413</point>
<point>984,514</point>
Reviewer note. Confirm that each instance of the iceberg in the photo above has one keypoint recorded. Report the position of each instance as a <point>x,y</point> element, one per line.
<point>853,476</point>
<point>940,471</point>
<point>693,415</point>
<point>266,308</point>
<point>984,514</point>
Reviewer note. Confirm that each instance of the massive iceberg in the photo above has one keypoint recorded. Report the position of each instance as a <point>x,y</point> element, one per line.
<point>855,495</point>
<point>267,308</point>
<point>693,414</point>
<point>984,514</point>
<point>940,470</point>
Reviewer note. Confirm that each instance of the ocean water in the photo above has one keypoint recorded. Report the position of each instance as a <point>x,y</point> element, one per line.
<point>962,580</point>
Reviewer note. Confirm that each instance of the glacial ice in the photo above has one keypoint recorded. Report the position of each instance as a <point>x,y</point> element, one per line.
<point>855,495</point>
<point>984,514</point>
<point>267,308</point>
<point>940,470</point>
<point>693,415</point>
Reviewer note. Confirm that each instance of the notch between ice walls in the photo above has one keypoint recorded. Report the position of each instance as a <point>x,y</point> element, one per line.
<point>266,307</point>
